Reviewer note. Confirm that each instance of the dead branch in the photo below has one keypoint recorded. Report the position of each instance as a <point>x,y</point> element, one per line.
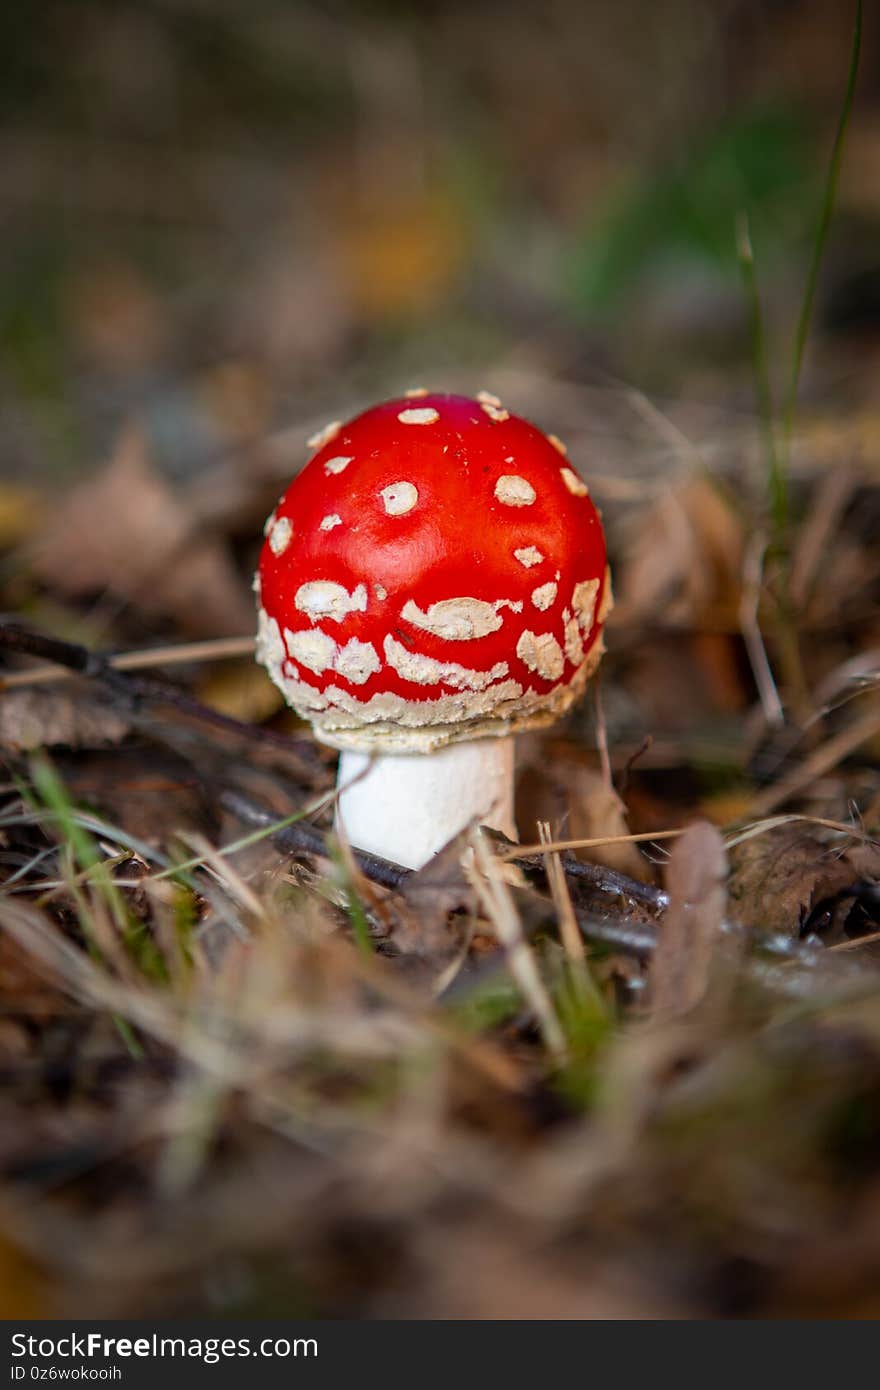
<point>301,837</point>
<point>135,690</point>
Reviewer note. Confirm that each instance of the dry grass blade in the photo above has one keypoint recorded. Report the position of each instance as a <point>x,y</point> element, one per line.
<point>89,984</point>
<point>679,974</point>
<point>358,893</point>
<point>824,759</point>
<point>832,497</point>
<point>486,873</point>
<point>762,827</point>
<point>264,832</point>
<point>568,927</point>
<point>555,846</point>
<point>572,940</point>
<point>753,569</point>
<point>217,861</point>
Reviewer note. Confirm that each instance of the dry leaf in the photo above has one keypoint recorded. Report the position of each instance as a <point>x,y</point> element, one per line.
<point>779,878</point>
<point>126,531</point>
<point>34,717</point>
<point>596,810</point>
<point>683,558</point>
<point>564,790</point>
<point>679,974</point>
<point>430,896</point>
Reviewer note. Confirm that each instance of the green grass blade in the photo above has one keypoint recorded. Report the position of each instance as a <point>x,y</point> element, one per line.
<point>252,838</point>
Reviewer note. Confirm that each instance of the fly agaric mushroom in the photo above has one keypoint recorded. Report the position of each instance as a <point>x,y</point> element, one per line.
<point>433,581</point>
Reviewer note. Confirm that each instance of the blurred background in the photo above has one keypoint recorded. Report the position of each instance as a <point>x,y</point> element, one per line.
<point>221,219</point>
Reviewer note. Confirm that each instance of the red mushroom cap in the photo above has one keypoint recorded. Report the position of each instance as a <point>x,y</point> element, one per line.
<point>436,572</point>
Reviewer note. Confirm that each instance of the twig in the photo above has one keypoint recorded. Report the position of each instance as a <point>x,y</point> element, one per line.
<point>305,838</point>
<point>135,689</point>
<point>601,878</point>
<point>300,838</point>
<point>179,654</point>
<point>766,952</point>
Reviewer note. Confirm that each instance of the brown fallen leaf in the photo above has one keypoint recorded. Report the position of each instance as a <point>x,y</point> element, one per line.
<point>596,810</point>
<point>428,898</point>
<point>683,557</point>
<point>68,716</point>
<point>125,530</point>
<point>558,784</point>
<point>679,975</point>
<point>779,878</point>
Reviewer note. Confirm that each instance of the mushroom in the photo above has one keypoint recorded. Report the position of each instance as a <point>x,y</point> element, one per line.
<point>433,581</point>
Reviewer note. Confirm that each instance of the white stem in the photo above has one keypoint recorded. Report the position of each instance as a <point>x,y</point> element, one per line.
<point>407,806</point>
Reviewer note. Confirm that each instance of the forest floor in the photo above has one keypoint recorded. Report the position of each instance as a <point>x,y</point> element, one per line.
<point>247,1072</point>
